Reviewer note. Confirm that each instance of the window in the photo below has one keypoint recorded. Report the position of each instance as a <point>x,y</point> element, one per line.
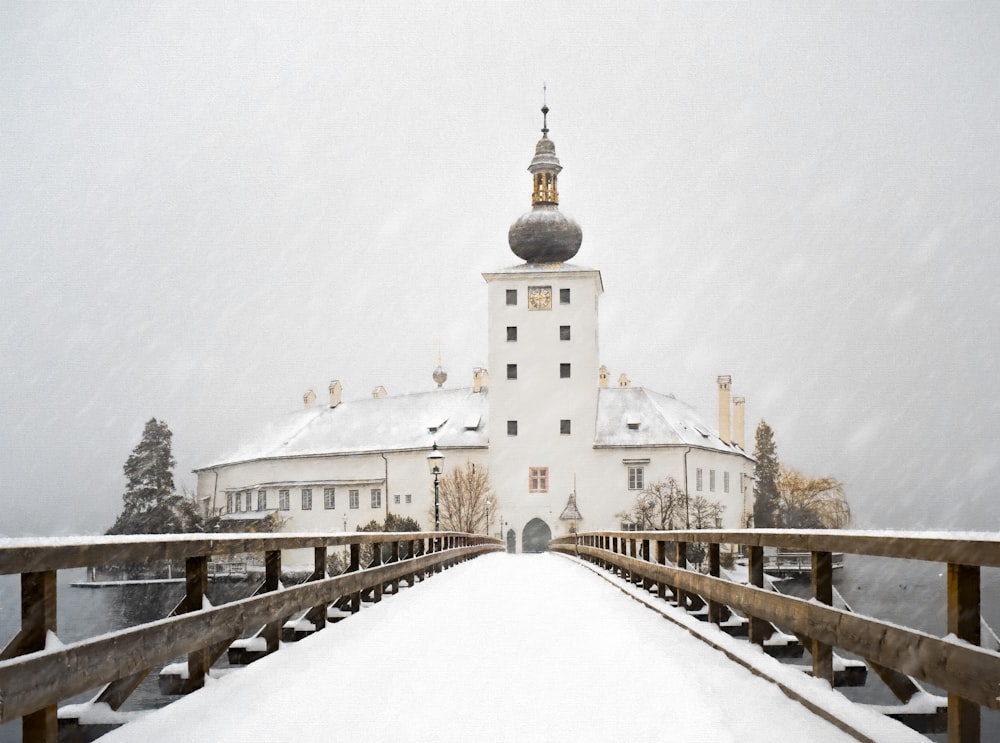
<point>698,479</point>
<point>354,496</point>
<point>283,503</point>
<point>538,479</point>
<point>376,497</point>
<point>512,428</point>
<point>564,332</point>
<point>711,480</point>
<point>511,371</point>
<point>725,482</point>
<point>395,499</point>
<point>261,500</point>
<point>512,296</point>
<point>564,426</point>
<point>636,478</point>
<point>329,498</point>
<point>229,502</point>
<point>564,371</point>
<point>307,499</point>
<point>564,296</point>
<point>512,332</point>
<point>409,497</point>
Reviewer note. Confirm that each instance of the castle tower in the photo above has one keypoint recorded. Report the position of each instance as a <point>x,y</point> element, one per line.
<point>543,356</point>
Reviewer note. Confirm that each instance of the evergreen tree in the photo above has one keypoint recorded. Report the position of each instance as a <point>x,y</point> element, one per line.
<point>151,506</point>
<point>765,505</point>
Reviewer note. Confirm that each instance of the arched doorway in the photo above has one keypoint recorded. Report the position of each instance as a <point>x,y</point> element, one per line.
<point>511,541</point>
<point>536,536</point>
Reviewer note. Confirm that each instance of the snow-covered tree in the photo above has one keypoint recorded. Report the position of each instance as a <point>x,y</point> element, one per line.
<point>151,505</point>
<point>765,504</point>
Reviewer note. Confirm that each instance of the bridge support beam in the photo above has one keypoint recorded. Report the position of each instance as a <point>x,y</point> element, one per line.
<point>964,719</point>
<point>714,607</point>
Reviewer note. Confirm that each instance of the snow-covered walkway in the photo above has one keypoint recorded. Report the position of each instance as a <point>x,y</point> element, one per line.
<point>502,648</point>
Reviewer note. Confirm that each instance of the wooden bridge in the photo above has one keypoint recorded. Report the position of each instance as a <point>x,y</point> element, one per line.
<point>37,673</point>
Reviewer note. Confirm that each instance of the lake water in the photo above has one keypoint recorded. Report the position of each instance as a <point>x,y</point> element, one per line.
<point>908,593</point>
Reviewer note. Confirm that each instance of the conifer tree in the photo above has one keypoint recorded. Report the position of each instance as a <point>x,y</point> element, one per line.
<point>151,505</point>
<point>765,505</point>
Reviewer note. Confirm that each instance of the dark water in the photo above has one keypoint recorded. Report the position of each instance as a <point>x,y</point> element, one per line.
<point>87,612</point>
<point>908,593</point>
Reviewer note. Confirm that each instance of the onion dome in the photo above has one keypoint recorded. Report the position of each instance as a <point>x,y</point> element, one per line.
<point>440,376</point>
<point>545,235</point>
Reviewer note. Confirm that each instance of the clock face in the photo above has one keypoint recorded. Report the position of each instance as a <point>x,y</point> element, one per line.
<point>539,297</point>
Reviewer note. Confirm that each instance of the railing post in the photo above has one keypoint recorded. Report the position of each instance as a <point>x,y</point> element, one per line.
<point>758,630</point>
<point>714,607</point>
<point>661,559</point>
<point>317,614</point>
<point>822,591</point>
<point>272,575</point>
<point>38,618</point>
<point>353,567</point>
<point>647,582</point>
<point>394,557</point>
<point>681,555</point>
<point>964,719</point>
<point>196,584</point>
<point>376,561</point>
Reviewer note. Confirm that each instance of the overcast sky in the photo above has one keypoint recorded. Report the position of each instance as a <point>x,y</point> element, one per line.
<point>206,209</point>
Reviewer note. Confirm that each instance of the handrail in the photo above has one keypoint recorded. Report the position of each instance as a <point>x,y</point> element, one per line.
<point>970,674</point>
<point>35,675</point>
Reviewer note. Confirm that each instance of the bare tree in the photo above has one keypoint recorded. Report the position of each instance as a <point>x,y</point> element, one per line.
<point>705,514</point>
<point>661,505</point>
<point>463,495</point>
<point>811,503</point>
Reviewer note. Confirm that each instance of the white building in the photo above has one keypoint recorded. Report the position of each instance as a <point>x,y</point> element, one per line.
<point>545,421</point>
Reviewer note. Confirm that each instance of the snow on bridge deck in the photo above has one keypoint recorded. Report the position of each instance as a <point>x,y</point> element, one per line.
<point>505,648</point>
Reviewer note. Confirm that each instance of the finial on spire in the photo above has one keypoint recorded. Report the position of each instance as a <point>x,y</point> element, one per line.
<point>545,111</point>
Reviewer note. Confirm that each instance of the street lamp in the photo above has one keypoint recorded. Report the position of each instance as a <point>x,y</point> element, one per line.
<point>435,463</point>
<point>487,517</point>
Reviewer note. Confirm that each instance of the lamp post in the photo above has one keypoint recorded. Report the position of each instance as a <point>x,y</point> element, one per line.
<point>487,517</point>
<point>435,463</point>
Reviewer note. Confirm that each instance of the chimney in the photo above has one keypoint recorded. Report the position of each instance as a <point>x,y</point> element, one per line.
<point>739,434</point>
<point>725,382</point>
<point>623,380</point>
<point>602,376</point>
<point>336,390</point>
<point>480,379</point>
<point>309,398</point>
<point>379,392</point>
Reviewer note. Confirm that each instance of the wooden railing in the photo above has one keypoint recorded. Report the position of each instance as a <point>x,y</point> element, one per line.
<point>35,674</point>
<point>968,673</point>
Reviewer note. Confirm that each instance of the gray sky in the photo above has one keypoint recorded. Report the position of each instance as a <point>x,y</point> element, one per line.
<point>207,209</point>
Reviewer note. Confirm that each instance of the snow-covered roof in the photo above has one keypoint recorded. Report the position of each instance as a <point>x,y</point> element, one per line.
<point>398,423</point>
<point>626,417</point>
<point>638,417</point>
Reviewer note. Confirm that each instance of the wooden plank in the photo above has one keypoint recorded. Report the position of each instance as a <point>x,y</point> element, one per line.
<point>34,681</point>
<point>57,553</point>
<point>661,559</point>
<point>969,671</point>
<point>964,622</point>
<point>981,549</point>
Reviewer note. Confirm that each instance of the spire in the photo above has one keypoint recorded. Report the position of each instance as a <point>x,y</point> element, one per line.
<point>544,235</point>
